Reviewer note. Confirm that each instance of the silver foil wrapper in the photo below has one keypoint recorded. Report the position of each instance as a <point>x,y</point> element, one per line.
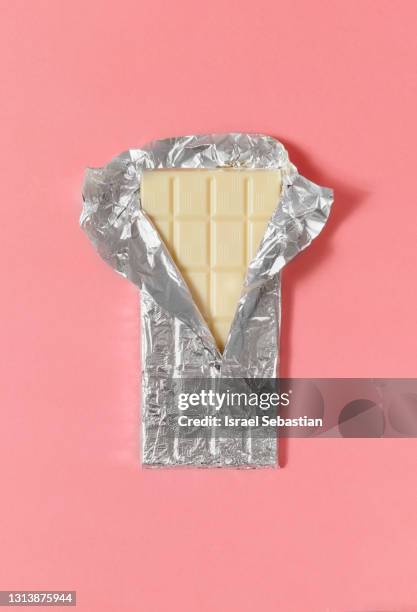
<point>176,341</point>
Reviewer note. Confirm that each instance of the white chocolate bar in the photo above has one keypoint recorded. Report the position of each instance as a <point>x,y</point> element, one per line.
<point>212,222</point>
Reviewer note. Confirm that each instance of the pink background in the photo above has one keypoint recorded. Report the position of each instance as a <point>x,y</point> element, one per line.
<point>335,530</point>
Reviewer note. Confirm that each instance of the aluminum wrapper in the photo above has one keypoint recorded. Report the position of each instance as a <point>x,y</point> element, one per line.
<point>176,342</point>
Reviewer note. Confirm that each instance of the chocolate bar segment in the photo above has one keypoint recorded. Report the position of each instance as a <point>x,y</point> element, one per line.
<point>212,222</point>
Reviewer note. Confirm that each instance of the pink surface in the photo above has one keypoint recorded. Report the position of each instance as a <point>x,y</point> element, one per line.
<point>335,530</point>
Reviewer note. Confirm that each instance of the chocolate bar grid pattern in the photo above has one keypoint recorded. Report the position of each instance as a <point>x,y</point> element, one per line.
<point>212,221</point>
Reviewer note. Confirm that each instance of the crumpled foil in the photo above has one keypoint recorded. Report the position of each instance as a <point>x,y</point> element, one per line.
<point>176,342</point>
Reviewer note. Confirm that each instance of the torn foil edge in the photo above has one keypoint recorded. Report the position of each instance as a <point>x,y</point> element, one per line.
<point>176,341</point>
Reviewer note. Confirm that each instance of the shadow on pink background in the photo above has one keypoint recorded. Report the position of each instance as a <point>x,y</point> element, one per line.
<point>335,530</point>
